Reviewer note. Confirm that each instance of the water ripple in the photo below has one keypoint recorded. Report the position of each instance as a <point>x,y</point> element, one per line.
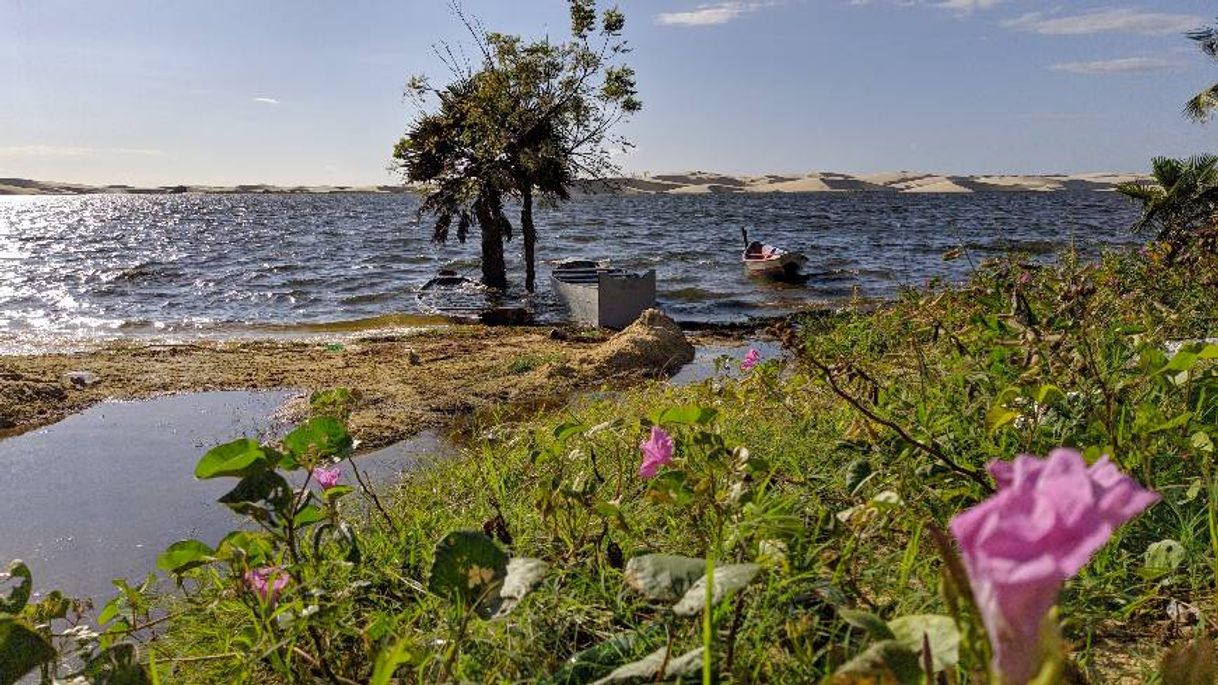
<point>112,264</point>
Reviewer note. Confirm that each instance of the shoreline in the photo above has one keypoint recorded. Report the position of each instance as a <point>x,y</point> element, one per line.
<point>407,381</point>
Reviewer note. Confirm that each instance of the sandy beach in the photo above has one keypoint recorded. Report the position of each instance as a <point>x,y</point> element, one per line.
<point>406,381</point>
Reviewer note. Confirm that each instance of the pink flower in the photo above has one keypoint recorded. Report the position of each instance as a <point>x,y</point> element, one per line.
<point>750,360</point>
<point>327,478</point>
<point>657,451</point>
<point>1041,527</point>
<point>266,582</point>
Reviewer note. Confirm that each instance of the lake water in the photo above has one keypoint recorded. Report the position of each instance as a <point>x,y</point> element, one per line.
<point>98,495</point>
<point>90,266</point>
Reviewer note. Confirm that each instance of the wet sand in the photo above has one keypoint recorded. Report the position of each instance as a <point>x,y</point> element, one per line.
<point>407,382</point>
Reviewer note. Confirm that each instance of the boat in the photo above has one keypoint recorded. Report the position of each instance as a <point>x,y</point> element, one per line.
<point>766,260</point>
<point>603,296</point>
<point>463,299</point>
<point>453,295</point>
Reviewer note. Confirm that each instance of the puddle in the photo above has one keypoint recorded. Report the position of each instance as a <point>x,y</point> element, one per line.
<point>98,495</point>
<point>703,365</point>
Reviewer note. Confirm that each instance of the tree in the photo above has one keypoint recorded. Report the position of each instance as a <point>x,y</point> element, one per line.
<point>1181,203</point>
<point>1203,105</point>
<point>530,121</point>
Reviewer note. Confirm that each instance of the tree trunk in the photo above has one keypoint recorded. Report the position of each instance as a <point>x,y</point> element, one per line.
<point>530,236</point>
<point>494,271</point>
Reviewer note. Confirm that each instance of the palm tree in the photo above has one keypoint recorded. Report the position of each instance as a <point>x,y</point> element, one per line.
<point>1203,105</point>
<point>1181,203</point>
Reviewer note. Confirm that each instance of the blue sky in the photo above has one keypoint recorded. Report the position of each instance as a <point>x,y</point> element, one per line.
<point>309,91</point>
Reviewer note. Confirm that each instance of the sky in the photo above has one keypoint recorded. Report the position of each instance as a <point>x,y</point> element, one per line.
<point>148,92</point>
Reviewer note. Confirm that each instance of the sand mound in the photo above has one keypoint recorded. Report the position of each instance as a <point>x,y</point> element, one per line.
<point>808,184</point>
<point>651,346</point>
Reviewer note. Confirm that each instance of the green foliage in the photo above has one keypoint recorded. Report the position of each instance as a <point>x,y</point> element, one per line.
<point>1180,204</point>
<point>468,568</point>
<point>531,118</point>
<point>22,649</point>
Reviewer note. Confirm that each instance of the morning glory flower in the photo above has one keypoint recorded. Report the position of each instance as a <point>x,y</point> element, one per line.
<point>266,582</point>
<point>1022,544</point>
<point>327,478</point>
<point>657,451</point>
<point>750,360</point>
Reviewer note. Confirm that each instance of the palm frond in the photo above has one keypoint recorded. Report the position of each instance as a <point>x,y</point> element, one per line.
<point>1140,190</point>
<point>1202,105</point>
<point>1206,38</point>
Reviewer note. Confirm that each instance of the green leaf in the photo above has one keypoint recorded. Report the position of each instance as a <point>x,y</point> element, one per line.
<point>320,437</point>
<point>598,660</point>
<point>249,547</point>
<point>857,473</point>
<point>728,580</point>
<point>307,515</point>
<point>259,496</point>
<point>1174,422</point>
<point>1048,394</point>
<point>663,577</point>
<point>1202,442</point>
<point>402,651</point>
<point>940,631</point>
<point>184,555</point>
<point>1183,360</point>
<point>671,486</point>
<point>240,457</point>
<point>888,659</point>
<point>118,665</point>
<point>1161,558</point>
<point>648,669</point>
<point>690,415</point>
<point>1192,663</point>
<point>468,568</point>
<point>21,650</point>
<point>869,623</point>
<point>16,598</point>
<point>999,416</point>
<point>337,492</point>
<point>565,430</point>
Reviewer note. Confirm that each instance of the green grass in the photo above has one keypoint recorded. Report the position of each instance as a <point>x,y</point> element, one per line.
<point>527,362</point>
<point>918,394</point>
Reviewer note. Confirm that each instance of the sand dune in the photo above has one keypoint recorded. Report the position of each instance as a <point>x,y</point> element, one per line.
<point>684,183</point>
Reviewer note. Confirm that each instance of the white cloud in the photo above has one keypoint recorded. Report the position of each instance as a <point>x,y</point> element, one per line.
<point>1126,65</point>
<point>967,5</point>
<point>73,151</point>
<point>711,14</point>
<point>266,100</point>
<point>958,6</point>
<point>1116,20</point>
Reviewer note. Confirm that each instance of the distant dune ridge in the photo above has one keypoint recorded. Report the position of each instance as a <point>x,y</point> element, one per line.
<point>696,182</point>
<point>689,183</point>
<point>25,186</point>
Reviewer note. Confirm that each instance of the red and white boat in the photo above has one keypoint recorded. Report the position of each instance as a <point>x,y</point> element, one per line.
<point>766,260</point>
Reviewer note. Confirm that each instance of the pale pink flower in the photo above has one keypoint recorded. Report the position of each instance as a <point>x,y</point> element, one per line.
<point>327,478</point>
<point>751,359</point>
<point>657,451</point>
<point>266,582</point>
<point>1041,527</point>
